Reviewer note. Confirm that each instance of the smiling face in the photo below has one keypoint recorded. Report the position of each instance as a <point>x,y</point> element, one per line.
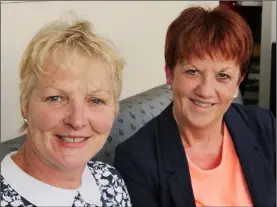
<point>203,90</point>
<point>70,112</point>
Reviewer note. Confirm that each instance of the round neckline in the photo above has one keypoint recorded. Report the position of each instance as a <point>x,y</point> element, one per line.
<point>35,190</point>
<point>199,172</point>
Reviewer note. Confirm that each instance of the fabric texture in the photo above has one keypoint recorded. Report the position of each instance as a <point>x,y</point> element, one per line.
<point>107,184</point>
<point>134,113</point>
<point>226,181</point>
<point>154,165</point>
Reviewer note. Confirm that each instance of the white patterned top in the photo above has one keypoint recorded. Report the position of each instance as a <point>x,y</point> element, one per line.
<point>101,186</point>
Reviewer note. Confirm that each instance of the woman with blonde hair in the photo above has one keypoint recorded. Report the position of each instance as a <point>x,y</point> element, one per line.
<point>203,150</point>
<point>70,81</point>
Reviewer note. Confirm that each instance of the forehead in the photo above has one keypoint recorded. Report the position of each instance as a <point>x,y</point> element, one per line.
<point>69,68</point>
<point>211,63</point>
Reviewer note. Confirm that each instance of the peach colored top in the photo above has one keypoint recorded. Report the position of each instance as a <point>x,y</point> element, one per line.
<point>224,185</point>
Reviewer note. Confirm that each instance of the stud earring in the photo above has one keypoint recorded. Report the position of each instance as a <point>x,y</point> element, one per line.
<point>169,86</point>
<point>25,120</point>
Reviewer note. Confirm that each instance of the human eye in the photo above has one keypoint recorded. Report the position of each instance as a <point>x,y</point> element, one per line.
<point>54,98</point>
<point>191,72</point>
<point>97,101</point>
<point>223,76</point>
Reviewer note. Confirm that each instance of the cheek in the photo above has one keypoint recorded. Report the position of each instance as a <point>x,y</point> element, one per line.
<point>183,86</point>
<point>44,118</point>
<point>101,120</point>
<point>227,92</point>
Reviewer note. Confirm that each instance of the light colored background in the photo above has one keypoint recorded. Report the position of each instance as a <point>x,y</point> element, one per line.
<point>268,35</point>
<point>273,23</point>
<point>137,28</point>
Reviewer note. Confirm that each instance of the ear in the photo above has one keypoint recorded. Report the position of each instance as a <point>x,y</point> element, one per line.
<point>237,88</point>
<point>168,74</point>
<point>240,79</point>
<point>24,108</point>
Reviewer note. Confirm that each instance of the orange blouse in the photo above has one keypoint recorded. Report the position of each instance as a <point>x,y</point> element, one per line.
<point>223,186</point>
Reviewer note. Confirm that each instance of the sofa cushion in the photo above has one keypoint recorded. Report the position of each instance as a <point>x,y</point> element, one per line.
<point>11,145</point>
<point>135,112</point>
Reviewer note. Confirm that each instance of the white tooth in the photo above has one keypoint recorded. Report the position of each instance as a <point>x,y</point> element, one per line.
<point>79,139</point>
<point>67,139</point>
<point>202,104</point>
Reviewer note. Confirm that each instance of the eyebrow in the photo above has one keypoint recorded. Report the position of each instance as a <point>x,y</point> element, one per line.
<point>221,70</point>
<point>225,68</point>
<point>54,88</point>
<point>189,64</point>
<point>99,91</point>
<point>89,91</point>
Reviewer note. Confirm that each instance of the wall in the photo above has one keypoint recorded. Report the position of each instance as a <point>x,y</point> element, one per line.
<point>273,23</point>
<point>268,34</point>
<point>137,28</point>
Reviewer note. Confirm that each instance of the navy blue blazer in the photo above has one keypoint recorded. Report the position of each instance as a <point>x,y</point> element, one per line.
<point>154,165</point>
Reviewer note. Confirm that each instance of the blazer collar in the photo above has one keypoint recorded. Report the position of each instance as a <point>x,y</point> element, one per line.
<point>175,162</point>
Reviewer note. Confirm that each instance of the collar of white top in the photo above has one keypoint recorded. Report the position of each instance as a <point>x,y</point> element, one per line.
<point>42,194</point>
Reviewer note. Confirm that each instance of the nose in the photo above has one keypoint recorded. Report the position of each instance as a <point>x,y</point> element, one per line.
<point>76,117</point>
<point>205,88</point>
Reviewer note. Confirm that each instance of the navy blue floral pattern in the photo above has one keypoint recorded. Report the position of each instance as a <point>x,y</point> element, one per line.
<point>112,187</point>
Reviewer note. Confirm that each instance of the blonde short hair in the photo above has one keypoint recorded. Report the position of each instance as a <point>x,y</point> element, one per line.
<point>77,35</point>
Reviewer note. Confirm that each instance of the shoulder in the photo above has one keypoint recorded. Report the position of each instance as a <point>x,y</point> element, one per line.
<point>9,197</point>
<point>144,137</point>
<point>261,122</point>
<point>102,170</point>
<point>137,159</point>
<point>106,175</point>
<point>142,149</point>
<point>251,110</point>
<point>256,116</point>
<point>139,149</point>
<point>111,184</point>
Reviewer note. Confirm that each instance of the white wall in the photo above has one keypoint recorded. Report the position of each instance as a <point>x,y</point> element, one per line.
<point>273,23</point>
<point>137,28</point>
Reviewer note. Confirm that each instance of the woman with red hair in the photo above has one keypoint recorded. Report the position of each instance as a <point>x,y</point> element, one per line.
<point>203,150</point>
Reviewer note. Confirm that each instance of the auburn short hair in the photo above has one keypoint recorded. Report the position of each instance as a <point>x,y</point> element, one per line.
<point>216,33</point>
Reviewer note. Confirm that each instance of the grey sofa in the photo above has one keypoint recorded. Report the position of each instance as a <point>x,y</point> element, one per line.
<point>134,112</point>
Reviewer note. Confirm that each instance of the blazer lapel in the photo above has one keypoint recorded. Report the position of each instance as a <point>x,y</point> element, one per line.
<point>256,173</point>
<point>174,160</point>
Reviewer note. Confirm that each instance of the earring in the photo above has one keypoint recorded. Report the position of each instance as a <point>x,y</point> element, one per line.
<point>169,86</point>
<point>25,120</point>
<point>234,96</point>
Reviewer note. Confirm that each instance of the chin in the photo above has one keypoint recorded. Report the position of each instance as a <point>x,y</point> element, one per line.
<point>199,121</point>
<point>70,159</point>
<point>73,162</point>
<point>200,124</point>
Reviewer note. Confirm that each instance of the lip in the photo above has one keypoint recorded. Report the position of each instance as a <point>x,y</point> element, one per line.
<point>73,136</point>
<point>73,145</point>
<point>200,101</point>
<point>199,108</point>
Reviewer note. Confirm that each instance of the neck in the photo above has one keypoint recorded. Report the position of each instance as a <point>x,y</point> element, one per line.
<point>28,160</point>
<point>193,136</point>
